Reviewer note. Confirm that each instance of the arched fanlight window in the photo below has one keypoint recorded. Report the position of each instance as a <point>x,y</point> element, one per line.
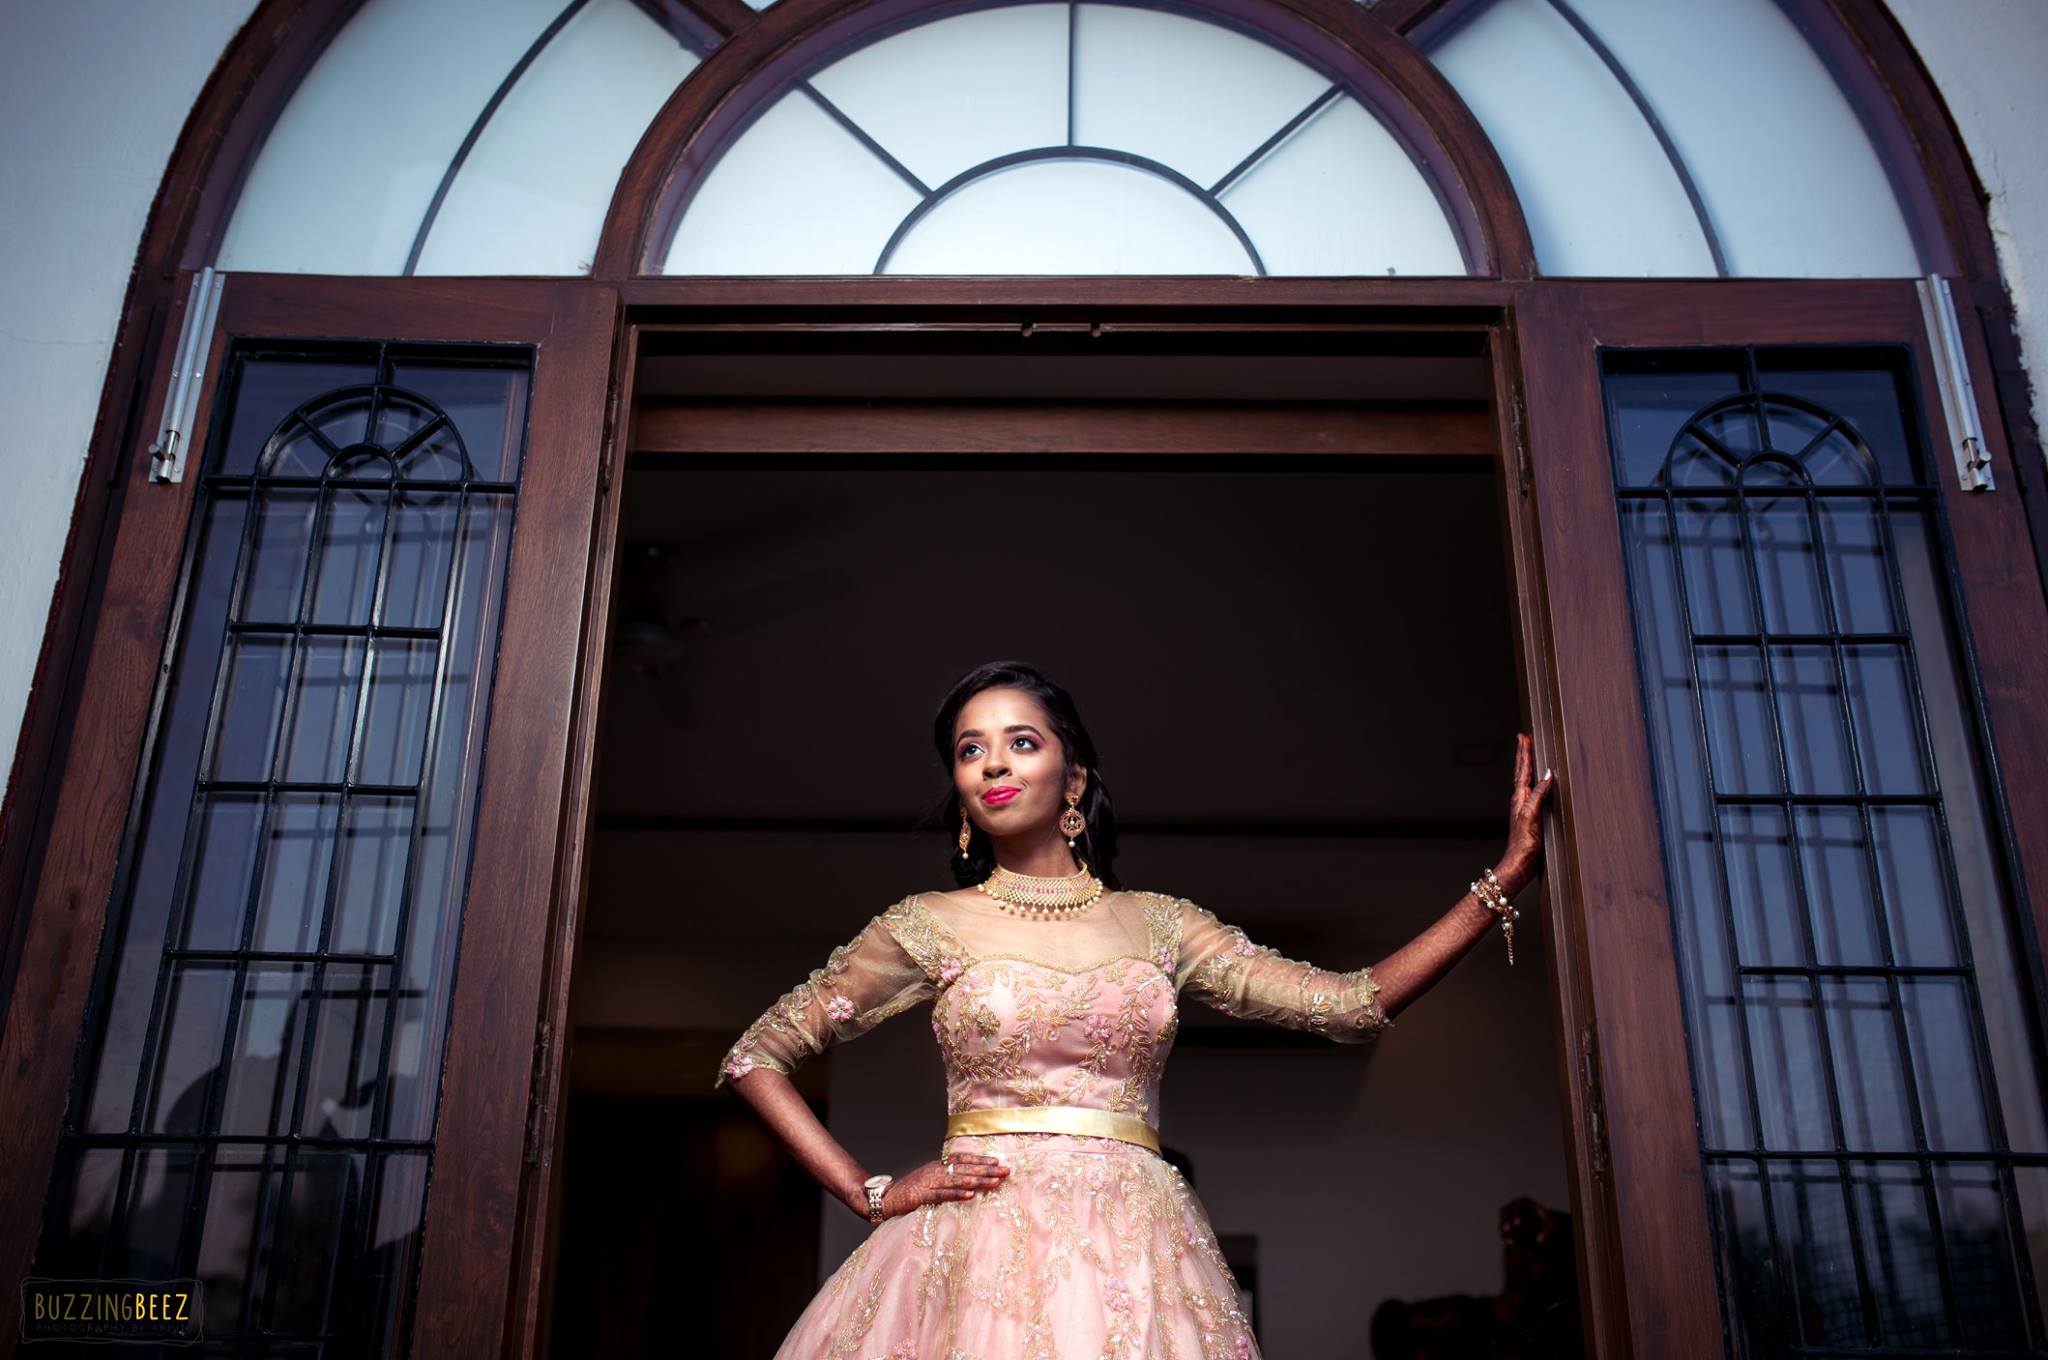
<point>1065,138</point>
<point>457,137</point>
<point>1675,138</point>
<point>1642,137</point>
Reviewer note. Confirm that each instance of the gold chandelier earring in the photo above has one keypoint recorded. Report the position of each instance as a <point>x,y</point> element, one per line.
<point>966,831</point>
<point>1071,821</point>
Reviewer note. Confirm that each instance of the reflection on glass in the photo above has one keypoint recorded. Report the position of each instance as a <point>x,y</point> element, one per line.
<point>1856,1007</point>
<point>1868,1066</point>
<point>1834,863</point>
<point>262,1062</point>
<point>225,842</point>
<point>297,851</point>
<point>278,559</point>
<point>321,705</point>
<point>258,1104</point>
<point>1810,724</point>
<point>1716,566</point>
<point>351,548</point>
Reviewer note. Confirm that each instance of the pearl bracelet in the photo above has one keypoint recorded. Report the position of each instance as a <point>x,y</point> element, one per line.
<point>1495,899</point>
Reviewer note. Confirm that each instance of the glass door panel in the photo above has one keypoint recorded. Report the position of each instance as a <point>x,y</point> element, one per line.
<point>265,1041</point>
<point>258,1097</point>
<point>1858,999</point>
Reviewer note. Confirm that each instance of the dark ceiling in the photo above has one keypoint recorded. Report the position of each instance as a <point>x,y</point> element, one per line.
<point>1296,670</point>
<point>1251,649</point>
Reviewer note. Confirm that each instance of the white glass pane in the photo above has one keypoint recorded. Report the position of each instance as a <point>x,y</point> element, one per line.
<point>1600,195</point>
<point>532,196</point>
<point>946,96</point>
<point>345,177</point>
<point>1189,94</point>
<point>1340,196</point>
<point>1790,179</point>
<point>795,194</point>
<point>1071,217</point>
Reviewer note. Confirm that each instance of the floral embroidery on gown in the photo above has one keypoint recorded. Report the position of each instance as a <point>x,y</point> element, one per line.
<point>1093,1248</point>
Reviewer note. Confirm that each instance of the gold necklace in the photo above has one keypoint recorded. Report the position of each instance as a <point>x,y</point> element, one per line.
<point>1043,898</point>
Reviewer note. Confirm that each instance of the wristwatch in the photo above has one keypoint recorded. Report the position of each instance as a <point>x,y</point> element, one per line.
<point>875,1185</point>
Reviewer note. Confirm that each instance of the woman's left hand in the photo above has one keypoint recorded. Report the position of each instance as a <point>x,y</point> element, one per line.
<point>1525,819</point>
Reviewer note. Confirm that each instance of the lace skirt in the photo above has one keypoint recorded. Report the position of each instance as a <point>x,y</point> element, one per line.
<point>1093,1249</point>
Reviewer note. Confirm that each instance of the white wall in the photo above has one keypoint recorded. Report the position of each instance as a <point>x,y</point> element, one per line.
<point>1986,57</point>
<point>92,96</point>
<point>93,93</point>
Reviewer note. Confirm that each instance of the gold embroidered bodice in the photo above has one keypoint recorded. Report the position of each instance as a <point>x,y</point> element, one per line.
<point>1080,1011</point>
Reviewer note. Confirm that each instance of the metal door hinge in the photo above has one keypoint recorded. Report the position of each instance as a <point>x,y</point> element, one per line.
<point>1952,371</point>
<point>536,1113</point>
<point>1596,1111</point>
<point>195,340</point>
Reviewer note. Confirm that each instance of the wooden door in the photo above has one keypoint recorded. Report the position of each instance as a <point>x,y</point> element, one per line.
<point>1797,670</point>
<point>289,931</point>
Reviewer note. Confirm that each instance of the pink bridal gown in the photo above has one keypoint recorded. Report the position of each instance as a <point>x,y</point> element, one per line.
<point>1094,1248</point>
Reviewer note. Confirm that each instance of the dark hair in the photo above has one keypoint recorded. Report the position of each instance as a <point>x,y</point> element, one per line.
<point>1097,844</point>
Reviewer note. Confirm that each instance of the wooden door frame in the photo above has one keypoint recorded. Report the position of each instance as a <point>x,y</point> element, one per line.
<point>1648,1271</point>
<point>1213,308</point>
<point>571,329</point>
<point>1648,1274</point>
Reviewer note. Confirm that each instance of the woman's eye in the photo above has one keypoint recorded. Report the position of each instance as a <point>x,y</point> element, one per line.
<point>971,747</point>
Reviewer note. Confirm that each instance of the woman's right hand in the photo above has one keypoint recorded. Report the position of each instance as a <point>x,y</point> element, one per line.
<point>960,1176</point>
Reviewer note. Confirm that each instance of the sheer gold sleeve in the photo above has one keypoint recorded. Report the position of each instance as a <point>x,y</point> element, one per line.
<point>1218,964</point>
<point>862,983</point>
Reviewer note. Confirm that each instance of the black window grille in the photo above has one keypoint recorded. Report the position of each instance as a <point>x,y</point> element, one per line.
<point>255,1101</point>
<point>1862,1012</point>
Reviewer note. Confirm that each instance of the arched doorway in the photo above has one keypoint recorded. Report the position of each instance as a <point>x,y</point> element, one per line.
<point>1619,965</point>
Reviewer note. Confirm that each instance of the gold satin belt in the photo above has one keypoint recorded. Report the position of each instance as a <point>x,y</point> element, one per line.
<point>1074,1119</point>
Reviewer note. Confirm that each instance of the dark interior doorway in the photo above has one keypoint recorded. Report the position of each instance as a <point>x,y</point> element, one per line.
<point>1299,667</point>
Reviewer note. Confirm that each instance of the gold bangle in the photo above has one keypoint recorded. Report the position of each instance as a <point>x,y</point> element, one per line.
<point>1495,899</point>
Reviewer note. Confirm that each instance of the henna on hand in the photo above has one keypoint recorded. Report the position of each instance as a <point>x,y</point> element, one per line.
<point>963,1175</point>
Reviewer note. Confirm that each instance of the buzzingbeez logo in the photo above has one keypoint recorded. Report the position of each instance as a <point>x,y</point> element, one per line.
<point>110,1310</point>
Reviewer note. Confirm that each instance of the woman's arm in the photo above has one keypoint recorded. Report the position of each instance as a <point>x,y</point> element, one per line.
<point>788,1115</point>
<point>864,982</point>
<point>1420,964</point>
<point>1219,965</point>
<point>1417,966</point>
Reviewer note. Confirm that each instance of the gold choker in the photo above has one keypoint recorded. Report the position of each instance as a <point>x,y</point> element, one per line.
<point>1043,898</point>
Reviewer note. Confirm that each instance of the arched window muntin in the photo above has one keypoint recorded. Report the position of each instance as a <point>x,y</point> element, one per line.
<point>1382,56</point>
<point>1207,197</point>
<point>795,39</point>
<point>1856,67</point>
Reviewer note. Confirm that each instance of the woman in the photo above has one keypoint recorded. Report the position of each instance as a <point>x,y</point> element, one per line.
<point>1049,1226</point>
